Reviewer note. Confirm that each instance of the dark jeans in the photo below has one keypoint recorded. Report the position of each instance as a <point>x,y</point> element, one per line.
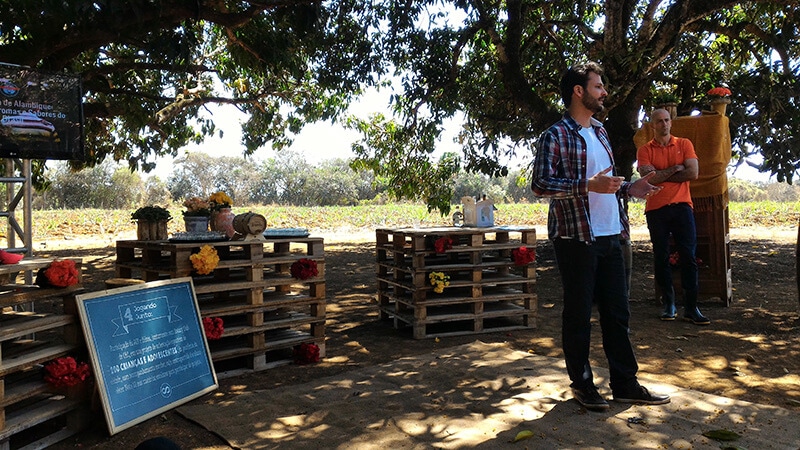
<point>677,220</point>
<point>594,274</point>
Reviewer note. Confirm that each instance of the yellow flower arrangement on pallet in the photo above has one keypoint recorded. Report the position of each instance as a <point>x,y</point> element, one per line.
<point>439,281</point>
<point>205,261</point>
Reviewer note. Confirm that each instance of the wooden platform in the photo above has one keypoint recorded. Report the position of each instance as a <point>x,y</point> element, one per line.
<point>266,312</point>
<point>32,413</point>
<point>487,291</point>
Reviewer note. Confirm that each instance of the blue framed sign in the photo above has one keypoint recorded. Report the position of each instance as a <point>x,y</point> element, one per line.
<point>148,349</point>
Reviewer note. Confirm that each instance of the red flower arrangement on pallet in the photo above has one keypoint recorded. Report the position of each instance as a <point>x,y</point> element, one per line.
<point>60,273</point>
<point>306,353</point>
<point>65,372</point>
<point>443,244</point>
<point>213,327</point>
<point>523,256</point>
<point>304,268</point>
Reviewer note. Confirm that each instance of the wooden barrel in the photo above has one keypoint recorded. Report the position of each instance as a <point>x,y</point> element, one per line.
<point>249,223</point>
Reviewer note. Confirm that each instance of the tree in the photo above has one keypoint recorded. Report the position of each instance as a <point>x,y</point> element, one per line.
<point>500,66</point>
<point>149,66</point>
<point>104,186</point>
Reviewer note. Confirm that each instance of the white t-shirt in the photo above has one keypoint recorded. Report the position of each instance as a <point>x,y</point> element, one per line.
<point>603,208</point>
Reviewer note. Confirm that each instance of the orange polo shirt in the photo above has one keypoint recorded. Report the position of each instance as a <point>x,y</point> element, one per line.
<point>677,151</point>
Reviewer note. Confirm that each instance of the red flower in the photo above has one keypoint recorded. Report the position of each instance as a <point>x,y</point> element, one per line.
<point>523,256</point>
<point>213,327</point>
<point>62,273</point>
<point>674,258</point>
<point>443,244</point>
<point>719,92</point>
<point>304,268</point>
<point>65,372</point>
<point>306,353</point>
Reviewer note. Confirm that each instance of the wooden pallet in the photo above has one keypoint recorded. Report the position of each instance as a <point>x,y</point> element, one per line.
<point>487,291</point>
<point>266,312</point>
<point>31,414</point>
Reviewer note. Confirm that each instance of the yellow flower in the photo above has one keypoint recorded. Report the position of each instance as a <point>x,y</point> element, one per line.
<point>206,260</point>
<point>439,281</point>
<point>220,199</point>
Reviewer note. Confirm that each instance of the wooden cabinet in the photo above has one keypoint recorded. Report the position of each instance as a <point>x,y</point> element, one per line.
<point>37,325</point>
<point>266,312</point>
<point>487,291</point>
<point>714,258</point>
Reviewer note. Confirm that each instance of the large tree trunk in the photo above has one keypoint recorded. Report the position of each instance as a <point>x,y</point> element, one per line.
<point>621,126</point>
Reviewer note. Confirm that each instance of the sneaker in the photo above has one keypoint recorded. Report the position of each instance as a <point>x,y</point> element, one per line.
<point>590,399</point>
<point>641,396</point>
<point>696,317</point>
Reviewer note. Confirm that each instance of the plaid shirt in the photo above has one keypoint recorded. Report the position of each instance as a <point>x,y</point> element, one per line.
<point>559,173</point>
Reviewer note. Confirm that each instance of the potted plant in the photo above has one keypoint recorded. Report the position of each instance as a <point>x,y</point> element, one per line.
<point>221,215</point>
<point>196,215</point>
<point>668,101</point>
<point>719,98</point>
<point>151,222</point>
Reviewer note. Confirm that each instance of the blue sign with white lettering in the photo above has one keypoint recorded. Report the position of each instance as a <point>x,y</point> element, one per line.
<point>148,349</point>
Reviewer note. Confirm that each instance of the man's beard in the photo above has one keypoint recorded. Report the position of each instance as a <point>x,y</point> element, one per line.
<point>592,104</point>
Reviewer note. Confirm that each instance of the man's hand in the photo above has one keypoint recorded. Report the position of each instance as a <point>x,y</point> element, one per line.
<point>642,188</point>
<point>604,184</point>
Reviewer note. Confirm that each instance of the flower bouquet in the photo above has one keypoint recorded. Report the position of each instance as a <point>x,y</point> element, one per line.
<point>219,200</point>
<point>720,97</point>
<point>221,215</point>
<point>523,256</point>
<point>196,207</point>
<point>304,268</point>
<point>197,214</point>
<point>60,273</point>
<point>306,353</point>
<point>439,281</point>
<point>213,327</point>
<point>65,372</point>
<point>205,261</point>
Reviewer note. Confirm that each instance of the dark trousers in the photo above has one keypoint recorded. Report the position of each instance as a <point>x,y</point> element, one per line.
<point>594,274</point>
<point>676,220</point>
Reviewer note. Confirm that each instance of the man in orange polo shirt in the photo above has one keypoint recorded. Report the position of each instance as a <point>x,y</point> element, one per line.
<point>670,212</point>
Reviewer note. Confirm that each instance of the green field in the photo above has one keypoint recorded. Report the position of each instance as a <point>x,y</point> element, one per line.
<point>343,218</point>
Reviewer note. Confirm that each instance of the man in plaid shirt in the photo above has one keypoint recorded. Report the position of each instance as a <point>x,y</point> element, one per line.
<point>573,167</point>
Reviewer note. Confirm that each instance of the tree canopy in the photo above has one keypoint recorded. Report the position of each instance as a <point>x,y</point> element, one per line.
<point>149,66</point>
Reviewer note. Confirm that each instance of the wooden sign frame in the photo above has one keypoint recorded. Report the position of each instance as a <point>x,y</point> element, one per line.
<point>148,349</point>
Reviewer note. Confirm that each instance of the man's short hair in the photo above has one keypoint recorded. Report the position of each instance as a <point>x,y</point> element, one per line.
<point>577,75</point>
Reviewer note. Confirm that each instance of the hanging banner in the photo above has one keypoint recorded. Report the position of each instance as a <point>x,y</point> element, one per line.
<point>41,114</point>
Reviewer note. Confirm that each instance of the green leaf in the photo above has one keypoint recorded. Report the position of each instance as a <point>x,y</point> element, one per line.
<point>722,435</point>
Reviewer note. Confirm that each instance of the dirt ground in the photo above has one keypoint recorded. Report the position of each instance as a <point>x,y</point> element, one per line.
<point>750,352</point>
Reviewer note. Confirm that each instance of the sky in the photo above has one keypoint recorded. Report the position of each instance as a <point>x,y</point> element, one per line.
<point>324,141</point>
